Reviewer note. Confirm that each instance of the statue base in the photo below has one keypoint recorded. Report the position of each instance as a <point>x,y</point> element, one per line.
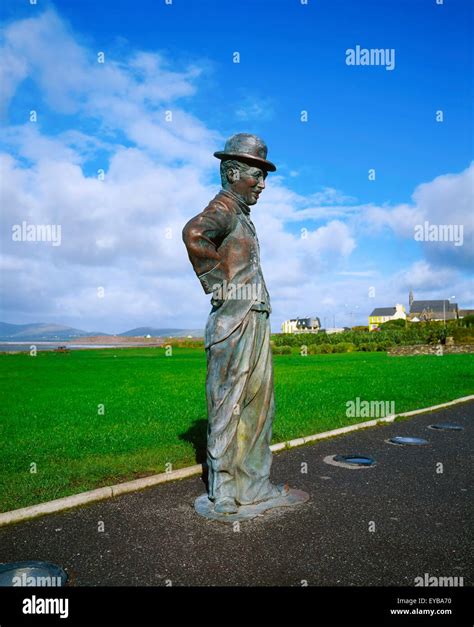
<point>205,507</point>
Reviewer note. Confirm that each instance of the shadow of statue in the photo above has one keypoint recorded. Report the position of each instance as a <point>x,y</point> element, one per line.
<point>197,436</point>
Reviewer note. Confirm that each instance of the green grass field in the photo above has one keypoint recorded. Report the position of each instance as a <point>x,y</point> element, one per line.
<point>155,409</point>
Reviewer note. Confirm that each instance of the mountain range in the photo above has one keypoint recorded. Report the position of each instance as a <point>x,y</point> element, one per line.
<point>47,332</point>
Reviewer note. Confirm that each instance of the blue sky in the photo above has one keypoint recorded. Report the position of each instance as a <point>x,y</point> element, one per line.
<point>178,57</point>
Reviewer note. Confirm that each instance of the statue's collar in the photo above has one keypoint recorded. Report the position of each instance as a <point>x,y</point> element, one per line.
<point>242,205</point>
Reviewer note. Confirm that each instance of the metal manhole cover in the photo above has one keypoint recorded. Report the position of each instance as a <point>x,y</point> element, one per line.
<point>446,426</point>
<point>353,462</point>
<point>357,460</point>
<point>408,440</point>
<point>32,573</point>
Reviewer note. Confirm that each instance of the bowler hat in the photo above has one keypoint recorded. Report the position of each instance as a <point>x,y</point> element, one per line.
<point>247,148</point>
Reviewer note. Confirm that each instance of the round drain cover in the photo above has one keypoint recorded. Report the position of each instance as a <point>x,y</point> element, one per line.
<point>408,440</point>
<point>447,426</point>
<point>356,460</point>
<point>31,573</point>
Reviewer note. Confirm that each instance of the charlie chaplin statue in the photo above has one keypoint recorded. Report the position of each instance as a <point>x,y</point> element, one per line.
<point>223,248</point>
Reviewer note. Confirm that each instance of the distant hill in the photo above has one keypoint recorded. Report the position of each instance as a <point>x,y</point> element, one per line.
<point>40,331</point>
<point>144,331</point>
<point>47,332</point>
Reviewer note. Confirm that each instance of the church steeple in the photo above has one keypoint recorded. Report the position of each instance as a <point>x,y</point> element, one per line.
<point>411,298</point>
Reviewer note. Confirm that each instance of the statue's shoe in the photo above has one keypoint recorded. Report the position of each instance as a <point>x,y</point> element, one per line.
<point>282,489</point>
<point>274,492</point>
<point>226,505</point>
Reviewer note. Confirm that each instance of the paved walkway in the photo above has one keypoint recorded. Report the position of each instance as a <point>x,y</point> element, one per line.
<point>420,519</point>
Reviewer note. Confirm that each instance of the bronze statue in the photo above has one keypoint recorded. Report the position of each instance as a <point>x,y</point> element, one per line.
<point>223,248</point>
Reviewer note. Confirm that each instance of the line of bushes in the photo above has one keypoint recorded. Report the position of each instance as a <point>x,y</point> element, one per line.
<point>281,350</point>
<point>185,343</point>
<point>359,338</point>
<point>415,333</point>
<point>326,348</point>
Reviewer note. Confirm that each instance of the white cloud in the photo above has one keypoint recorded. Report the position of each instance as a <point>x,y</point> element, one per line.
<point>446,200</point>
<point>254,108</point>
<point>334,238</point>
<point>434,282</point>
<point>129,97</point>
<point>124,233</point>
<point>422,276</point>
<point>449,199</point>
<point>359,273</point>
<point>400,219</point>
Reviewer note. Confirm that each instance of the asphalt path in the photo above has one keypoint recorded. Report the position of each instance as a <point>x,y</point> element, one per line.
<point>408,515</point>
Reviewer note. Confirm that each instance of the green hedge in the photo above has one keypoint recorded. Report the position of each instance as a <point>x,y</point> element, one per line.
<point>414,333</point>
<point>185,343</point>
<point>463,335</point>
<point>281,350</point>
<point>467,321</point>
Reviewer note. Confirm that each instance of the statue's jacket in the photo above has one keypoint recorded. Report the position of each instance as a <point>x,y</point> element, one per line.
<point>223,248</point>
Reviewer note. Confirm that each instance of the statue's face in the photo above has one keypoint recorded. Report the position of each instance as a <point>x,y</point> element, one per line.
<point>248,183</point>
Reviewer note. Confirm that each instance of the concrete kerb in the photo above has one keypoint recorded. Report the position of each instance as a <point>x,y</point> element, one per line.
<point>68,502</point>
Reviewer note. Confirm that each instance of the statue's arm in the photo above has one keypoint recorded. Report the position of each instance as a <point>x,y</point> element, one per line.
<point>202,236</point>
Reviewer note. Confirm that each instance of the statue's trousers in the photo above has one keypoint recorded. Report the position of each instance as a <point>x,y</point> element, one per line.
<point>241,408</point>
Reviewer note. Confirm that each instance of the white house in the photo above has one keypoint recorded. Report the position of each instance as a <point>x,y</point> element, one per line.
<point>301,325</point>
